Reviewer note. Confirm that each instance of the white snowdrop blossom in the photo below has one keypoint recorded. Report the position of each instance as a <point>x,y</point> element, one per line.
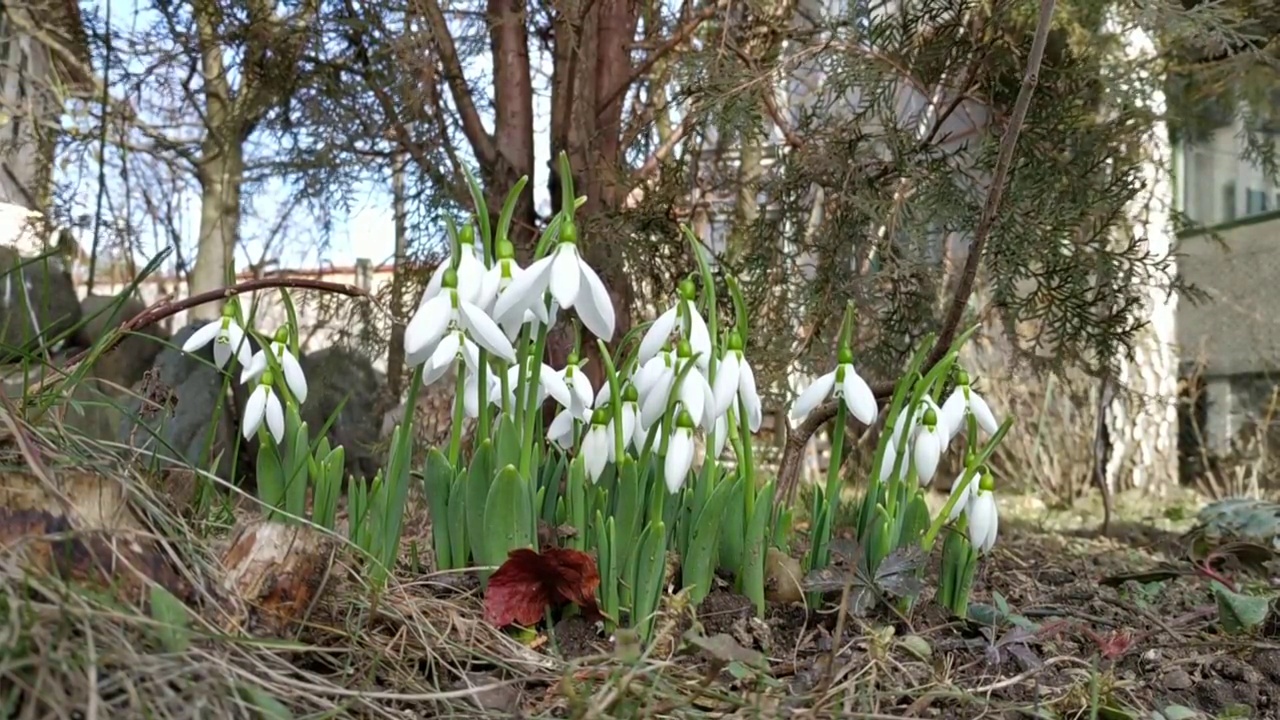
<point>228,338</point>
<point>470,273</point>
<point>927,448</point>
<point>560,431</point>
<point>984,519</point>
<point>692,391</point>
<point>581,394</point>
<point>843,383</point>
<point>680,452</point>
<point>964,400</point>
<point>497,279</point>
<point>693,329</point>
<point>597,445</point>
<point>447,322</point>
<point>571,281</point>
<point>294,378</point>
<point>264,405</point>
<point>735,380</point>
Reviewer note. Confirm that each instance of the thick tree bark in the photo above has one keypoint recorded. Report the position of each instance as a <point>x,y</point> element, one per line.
<point>1142,419</point>
<point>221,175</point>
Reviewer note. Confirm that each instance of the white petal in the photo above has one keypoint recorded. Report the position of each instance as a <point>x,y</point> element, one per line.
<point>257,365</point>
<point>524,292</point>
<point>721,436</point>
<point>927,450</point>
<point>293,376</point>
<point>984,521</point>
<point>603,394</point>
<point>238,341</point>
<point>595,307</point>
<point>812,397</point>
<point>566,278</point>
<point>254,409</point>
<point>581,392</point>
<point>648,373</point>
<point>485,332</point>
<point>561,429</point>
<point>679,459</point>
<point>431,373</point>
<point>725,389</point>
<point>858,397</point>
<point>709,413</point>
<point>750,398</point>
<point>692,397</point>
<point>489,288</point>
<point>595,450</point>
<point>655,401</point>
<point>630,418</point>
<point>656,336</point>
<point>962,499</point>
<point>699,337</point>
<point>953,412</point>
<point>447,351</point>
<point>435,282</point>
<point>982,413</point>
<point>275,417</point>
<point>427,326</point>
<point>203,336</point>
<point>470,278</point>
<point>889,458</point>
<point>471,396</point>
<point>553,384</point>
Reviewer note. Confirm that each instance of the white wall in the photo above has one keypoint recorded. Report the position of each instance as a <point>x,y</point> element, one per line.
<point>1216,185</point>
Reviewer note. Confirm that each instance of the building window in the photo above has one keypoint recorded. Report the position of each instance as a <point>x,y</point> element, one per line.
<point>1229,201</point>
<point>1255,202</point>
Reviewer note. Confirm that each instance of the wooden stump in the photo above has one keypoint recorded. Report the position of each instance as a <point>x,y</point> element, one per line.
<point>279,571</point>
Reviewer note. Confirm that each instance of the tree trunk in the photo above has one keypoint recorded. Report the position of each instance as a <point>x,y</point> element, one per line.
<point>221,174</point>
<point>1142,419</point>
<point>395,351</point>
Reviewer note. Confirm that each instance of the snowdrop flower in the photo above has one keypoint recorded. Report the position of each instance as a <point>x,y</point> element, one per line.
<point>581,394</point>
<point>294,378</point>
<point>984,520</point>
<point>964,400</point>
<point>680,451</point>
<point>228,339</point>
<point>497,279</point>
<point>263,404</point>
<point>550,383</point>
<point>692,392</point>
<point>927,447</point>
<point>844,383</point>
<point>449,321</point>
<point>735,380</point>
<point>597,444</point>
<point>694,329</point>
<point>470,272</point>
<point>572,283</point>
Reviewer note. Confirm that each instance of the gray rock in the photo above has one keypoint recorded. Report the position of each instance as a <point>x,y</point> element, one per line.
<point>125,365</point>
<point>171,418</point>
<point>335,374</point>
<point>38,304</point>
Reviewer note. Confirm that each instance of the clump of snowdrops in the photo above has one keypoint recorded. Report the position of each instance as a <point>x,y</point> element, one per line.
<point>893,515</point>
<point>290,464</point>
<point>617,463</point>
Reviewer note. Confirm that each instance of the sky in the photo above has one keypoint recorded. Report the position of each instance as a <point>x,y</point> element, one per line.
<point>367,230</point>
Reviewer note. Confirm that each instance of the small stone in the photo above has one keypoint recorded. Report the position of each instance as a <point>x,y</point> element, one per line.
<point>1177,680</point>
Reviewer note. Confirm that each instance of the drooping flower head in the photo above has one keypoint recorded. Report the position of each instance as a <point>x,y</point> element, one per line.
<point>228,338</point>
<point>264,405</point>
<point>294,378</point>
<point>845,384</point>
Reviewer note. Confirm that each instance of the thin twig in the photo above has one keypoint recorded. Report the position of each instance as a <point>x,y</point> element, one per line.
<point>798,438</point>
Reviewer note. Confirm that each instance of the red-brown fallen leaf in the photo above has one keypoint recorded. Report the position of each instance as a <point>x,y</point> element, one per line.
<point>529,582</point>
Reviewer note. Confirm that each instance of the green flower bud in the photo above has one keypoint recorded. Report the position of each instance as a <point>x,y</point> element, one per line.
<point>687,289</point>
<point>987,483</point>
<point>282,335</point>
<point>450,279</point>
<point>844,356</point>
<point>684,420</point>
<point>568,231</point>
<point>735,341</point>
<point>267,379</point>
<point>467,235</point>
<point>600,417</point>
<point>630,394</point>
<point>962,377</point>
<point>930,418</point>
<point>228,312</point>
<point>684,349</point>
<point>506,250</point>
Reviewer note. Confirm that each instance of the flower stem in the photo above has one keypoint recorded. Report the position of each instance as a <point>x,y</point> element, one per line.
<point>459,404</point>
